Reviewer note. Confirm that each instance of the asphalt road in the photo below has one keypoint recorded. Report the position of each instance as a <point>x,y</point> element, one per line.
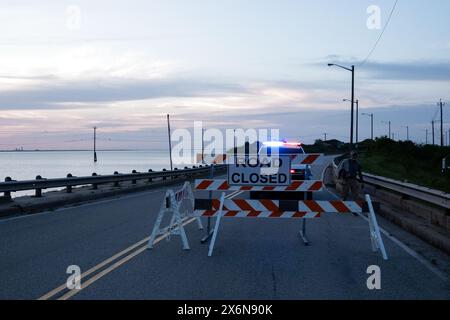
<point>253,259</point>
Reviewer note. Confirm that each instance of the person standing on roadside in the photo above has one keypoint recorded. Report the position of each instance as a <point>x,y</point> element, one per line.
<point>350,178</point>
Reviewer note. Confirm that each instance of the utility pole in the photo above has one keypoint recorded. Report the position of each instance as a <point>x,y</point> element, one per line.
<point>203,146</point>
<point>95,144</point>
<point>441,105</point>
<point>357,121</point>
<point>388,123</point>
<point>170,143</point>
<point>432,132</point>
<point>371,125</point>
<point>407,132</point>
<point>235,149</point>
<point>325,137</point>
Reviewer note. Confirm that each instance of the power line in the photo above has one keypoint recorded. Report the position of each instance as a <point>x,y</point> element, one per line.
<point>381,34</point>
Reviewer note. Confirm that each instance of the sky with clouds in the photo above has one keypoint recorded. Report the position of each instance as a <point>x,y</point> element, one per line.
<point>67,66</point>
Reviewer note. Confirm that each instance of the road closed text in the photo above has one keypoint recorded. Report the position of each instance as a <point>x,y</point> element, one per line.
<point>260,171</point>
<point>258,179</point>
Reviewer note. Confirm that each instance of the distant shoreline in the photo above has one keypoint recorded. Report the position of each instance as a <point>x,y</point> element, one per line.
<point>82,150</point>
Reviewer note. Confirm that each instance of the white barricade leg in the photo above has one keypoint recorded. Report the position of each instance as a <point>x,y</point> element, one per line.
<point>216,227</point>
<point>156,228</point>
<point>377,241</point>
<point>190,196</point>
<point>175,227</point>
<point>303,233</point>
<point>372,236</point>
<point>199,223</point>
<point>179,229</point>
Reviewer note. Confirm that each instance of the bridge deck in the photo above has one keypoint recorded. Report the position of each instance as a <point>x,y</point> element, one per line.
<point>252,260</point>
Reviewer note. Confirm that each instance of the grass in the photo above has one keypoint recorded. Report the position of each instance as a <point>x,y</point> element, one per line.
<point>406,161</point>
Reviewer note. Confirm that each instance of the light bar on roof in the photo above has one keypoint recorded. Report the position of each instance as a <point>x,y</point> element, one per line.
<point>294,144</point>
<point>274,144</point>
<point>282,144</point>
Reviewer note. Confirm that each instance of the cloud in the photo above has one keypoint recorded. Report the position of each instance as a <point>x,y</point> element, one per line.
<point>38,77</point>
<point>57,94</point>
<point>419,70</point>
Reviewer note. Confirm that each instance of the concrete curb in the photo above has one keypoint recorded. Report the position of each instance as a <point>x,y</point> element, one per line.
<point>436,236</point>
<point>417,227</point>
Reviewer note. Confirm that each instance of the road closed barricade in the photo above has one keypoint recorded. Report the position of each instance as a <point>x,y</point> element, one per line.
<point>172,205</point>
<point>219,206</point>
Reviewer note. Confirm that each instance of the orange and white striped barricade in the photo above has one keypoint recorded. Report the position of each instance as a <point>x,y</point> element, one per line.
<point>285,209</point>
<point>308,159</point>
<point>222,185</point>
<point>295,186</point>
<point>172,204</point>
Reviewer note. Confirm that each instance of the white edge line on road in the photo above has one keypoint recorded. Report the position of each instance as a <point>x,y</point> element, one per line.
<point>408,250</point>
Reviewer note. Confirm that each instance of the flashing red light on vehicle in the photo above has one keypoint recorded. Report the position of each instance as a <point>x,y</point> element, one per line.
<point>280,144</point>
<point>293,144</point>
<point>292,171</point>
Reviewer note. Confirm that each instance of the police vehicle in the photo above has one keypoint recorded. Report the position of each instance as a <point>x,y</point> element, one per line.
<point>298,171</point>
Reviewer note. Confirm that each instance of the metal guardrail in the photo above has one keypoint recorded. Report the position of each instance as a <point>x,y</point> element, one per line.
<point>435,197</point>
<point>40,183</point>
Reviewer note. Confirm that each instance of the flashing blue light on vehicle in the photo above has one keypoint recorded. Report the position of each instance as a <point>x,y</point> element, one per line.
<point>274,144</point>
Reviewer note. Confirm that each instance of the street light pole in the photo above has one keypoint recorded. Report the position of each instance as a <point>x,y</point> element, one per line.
<point>432,132</point>
<point>357,121</point>
<point>352,70</point>
<point>371,123</point>
<point>353,100</point>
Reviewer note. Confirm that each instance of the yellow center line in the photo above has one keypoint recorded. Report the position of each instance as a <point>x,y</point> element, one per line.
<point>111,268</point>
<point>116,265</point>
<point>95,268</point>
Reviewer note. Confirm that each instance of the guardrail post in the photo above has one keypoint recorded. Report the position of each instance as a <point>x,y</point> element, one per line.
<point>164,170</point>
<point>116,184</point>
<point>150,179</point>
<point>94,185</point>
<point>8,193</point>
<point>38,191</point>
<point>69,188</point>
<point>188,175</point>
<point>175,177</point>
<point>134,180</point>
